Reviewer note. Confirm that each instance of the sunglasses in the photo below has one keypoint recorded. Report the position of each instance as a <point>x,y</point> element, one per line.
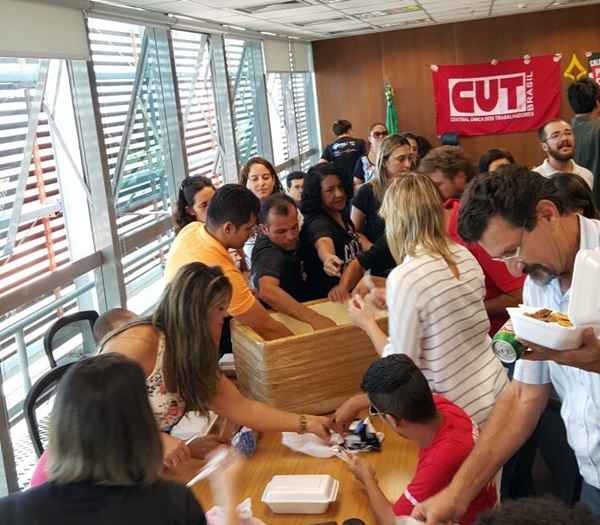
<point>380,134</point>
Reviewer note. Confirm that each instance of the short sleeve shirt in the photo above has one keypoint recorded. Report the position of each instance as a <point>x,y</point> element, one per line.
<point>367,203</point>
<point>344,152</point>
<point>578,389</point>
<point>547,170</point>
<point>438,463</point>
<point>346,246</point>
<point>270,260</point>
<point>195,244</point>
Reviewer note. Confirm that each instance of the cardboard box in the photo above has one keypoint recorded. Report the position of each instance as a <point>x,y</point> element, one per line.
<point>311,372</point>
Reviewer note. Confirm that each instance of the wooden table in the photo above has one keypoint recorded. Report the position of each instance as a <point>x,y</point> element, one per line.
<point>395,465</point>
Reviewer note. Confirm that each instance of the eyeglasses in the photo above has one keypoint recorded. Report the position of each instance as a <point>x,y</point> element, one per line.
<point>514,254</point>
<point>374,411</point>
<point>380,134</point>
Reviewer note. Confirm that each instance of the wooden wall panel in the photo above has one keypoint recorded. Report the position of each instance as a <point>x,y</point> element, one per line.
<point>348,83</point>
<point>404,58</point>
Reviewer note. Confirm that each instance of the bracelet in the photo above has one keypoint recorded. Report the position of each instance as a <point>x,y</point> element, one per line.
<point>303,424</point>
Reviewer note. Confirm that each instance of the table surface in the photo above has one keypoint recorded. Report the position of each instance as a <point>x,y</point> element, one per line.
<point>394,465</point>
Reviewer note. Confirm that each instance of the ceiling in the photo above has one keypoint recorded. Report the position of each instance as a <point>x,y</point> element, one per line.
<point>320,19</point>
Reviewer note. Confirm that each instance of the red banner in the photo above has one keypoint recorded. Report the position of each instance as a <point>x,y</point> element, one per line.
<point>594,61</point>
<point>486,99</point>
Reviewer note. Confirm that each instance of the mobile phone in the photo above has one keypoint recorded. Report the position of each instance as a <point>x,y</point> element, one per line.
<point>325,523</point>
<point>353,521</point>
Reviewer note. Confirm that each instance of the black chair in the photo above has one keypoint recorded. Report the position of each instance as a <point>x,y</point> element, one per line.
<point>42,390</point>
<point>68,327</point>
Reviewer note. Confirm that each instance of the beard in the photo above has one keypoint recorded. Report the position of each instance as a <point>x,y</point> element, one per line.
<point>561,157</point>
<point>539,273</point>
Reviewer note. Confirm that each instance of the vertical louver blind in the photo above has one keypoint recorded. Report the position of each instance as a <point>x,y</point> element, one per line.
<point>198,107</point>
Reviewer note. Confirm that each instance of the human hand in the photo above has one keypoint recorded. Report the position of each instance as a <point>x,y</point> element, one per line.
<point>338,294</point>
<point>320,322</point>
<point>363,471</point>
<point>175,451</point>
<point>359,312</point>
<point>201,446</point>
<point>320,426</point>
<point>365,243</point>
<point>347,412</point>
<point>332,265</point>
<point>376,297</point>
<point>226,481</point>
<point>586,357</point>
<point>443,508</point>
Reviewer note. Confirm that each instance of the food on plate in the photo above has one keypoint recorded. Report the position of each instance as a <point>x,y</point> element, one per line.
<point>549,316</point>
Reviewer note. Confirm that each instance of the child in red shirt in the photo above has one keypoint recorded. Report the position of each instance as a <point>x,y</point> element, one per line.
<point>400,394</point>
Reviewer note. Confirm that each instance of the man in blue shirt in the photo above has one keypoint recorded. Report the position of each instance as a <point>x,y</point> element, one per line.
<point>518,216</point>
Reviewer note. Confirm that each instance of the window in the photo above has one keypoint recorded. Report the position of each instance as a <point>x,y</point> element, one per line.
<point>128,64</point>
<point>44,229</point>
<point>279,97</point>
<point>246,85</point>
<point>198,107</point>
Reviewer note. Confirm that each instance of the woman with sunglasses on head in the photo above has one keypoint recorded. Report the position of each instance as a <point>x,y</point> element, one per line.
<point>195,194</point>
<point>435,297</point>
<point>260,177</point>
<point>104,456</point>
<point>364,169</point>
<point>177,347</point>
<point>394,159</point>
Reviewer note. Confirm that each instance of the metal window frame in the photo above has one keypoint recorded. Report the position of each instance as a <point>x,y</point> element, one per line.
<point>224,104</point>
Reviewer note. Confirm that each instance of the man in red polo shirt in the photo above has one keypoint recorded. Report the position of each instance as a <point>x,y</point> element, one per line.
<point>445,435</point>
<point>451,171</point>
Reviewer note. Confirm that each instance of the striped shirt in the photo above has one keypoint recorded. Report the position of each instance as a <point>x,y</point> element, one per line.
<point>441,323</point>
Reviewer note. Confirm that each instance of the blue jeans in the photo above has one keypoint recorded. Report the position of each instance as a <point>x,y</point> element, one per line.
<point>590,496</point>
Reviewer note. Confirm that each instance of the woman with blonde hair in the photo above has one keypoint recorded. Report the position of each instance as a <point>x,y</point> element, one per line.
<point>435,299</point>
<point>394,159</point>
<point>177,347</point>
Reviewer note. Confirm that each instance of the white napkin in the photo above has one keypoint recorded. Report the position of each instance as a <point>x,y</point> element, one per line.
<point>310,444</point>
<point>216,515</point>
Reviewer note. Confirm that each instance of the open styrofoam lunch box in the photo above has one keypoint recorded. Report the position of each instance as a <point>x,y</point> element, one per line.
<point>583,312</point>
<point>300,494</point>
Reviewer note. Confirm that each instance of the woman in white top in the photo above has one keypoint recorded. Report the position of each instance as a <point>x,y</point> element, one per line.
<point>435,300</point>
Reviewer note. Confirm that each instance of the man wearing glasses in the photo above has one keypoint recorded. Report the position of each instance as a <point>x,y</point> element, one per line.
<point>558,144</point>
<point>400,395</point>
<point>518,216</point>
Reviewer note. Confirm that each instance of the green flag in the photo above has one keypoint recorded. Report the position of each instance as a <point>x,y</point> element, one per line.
<point>391,117</point>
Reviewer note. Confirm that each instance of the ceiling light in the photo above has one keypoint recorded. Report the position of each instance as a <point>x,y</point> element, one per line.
<point>267,33</point>
<point>521,6</point>
<point>182,17</point>
<point>294,37</point>
<point>235,28</point>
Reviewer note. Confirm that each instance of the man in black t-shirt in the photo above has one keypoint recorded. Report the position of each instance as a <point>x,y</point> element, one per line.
<point>276,270</point>
<point>345,150</point>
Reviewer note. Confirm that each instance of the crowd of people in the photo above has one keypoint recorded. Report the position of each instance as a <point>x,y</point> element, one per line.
<point>390,222</point>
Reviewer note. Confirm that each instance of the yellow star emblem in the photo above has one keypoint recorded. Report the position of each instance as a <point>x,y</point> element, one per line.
<point>575,70</point>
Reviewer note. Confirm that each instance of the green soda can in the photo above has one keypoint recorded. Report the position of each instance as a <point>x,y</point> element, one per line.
<point>505,344</point>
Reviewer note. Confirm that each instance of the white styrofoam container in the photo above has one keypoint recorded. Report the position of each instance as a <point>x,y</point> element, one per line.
<point>300,494</point>
<point>584,309</point>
